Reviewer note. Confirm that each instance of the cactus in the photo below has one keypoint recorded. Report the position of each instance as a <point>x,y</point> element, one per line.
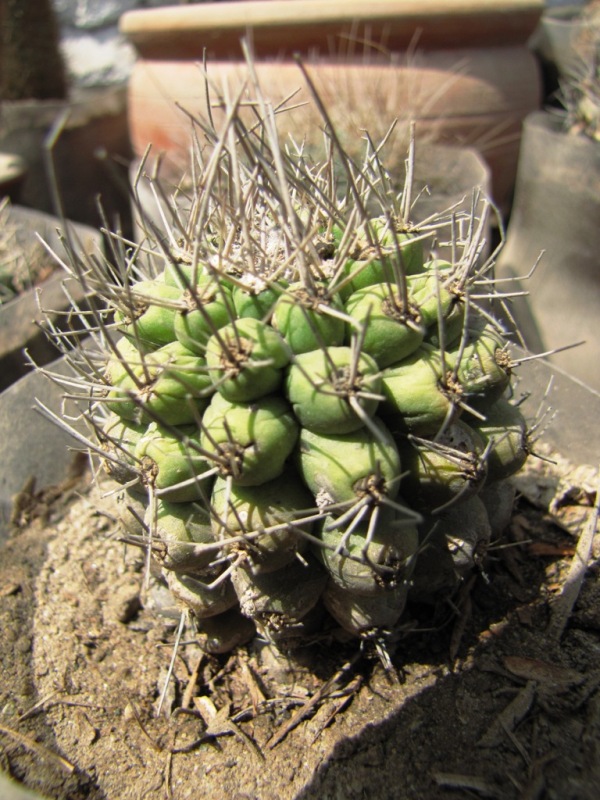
<point>306,396</point>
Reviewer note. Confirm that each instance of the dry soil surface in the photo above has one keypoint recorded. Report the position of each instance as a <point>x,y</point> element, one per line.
<point>494,695</point>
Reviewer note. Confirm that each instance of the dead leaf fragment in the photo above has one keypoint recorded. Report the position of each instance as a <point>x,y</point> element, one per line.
<point>9,588</point>
<point>532,669</point>
<point>471,783</point>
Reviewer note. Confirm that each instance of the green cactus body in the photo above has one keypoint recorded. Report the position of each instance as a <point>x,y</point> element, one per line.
<point>366,564</point>
<point>482,367</point>
<point>360,273</point>
<point>224,632</point>
<point>443,470</point>
<point>119,438</point>
<point>419,398</point>
<point>183,274</point>
<point>250,442</point>
<point>376,266</point>
<point>257,303</point>
<point>365,615</point>
<point>298,388</point>
<point>246,359</point>
<point>505,429</point>
<point>324,387</point>
<point>407,242</point>
<point>345,468</point>
<point>499,499</point>
<point>277,601</point>
<point>245,511</point>
<point>402,247</point>
<point>182,387</point>
<point>176,528</point>
<point>171,384</point>
<point>301,317</point>
<point>392,330</point>
<point>452,326</point>
<point>205,309</point>
<point>434,298</point>
<point>452,544</point>
<point>199,596</point>
<point>173,464</point>
<point>124,360</point>
<point>151,311</point>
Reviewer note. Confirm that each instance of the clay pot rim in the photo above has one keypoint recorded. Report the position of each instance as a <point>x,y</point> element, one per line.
<point>186,31</point>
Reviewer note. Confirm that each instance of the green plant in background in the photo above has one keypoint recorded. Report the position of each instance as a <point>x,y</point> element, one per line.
<point>302,402</point>
<point>31,64</point>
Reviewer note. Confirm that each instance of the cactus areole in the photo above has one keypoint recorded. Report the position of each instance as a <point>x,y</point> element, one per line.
<point>299,387</point>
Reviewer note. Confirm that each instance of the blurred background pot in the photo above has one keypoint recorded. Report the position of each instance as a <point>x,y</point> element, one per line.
<point>38,100</point>
<point>556,211</point>
<point>461,70</point>
<point>32,287</point>
<point>90,124</point>
<point>557,39</point>
<point>13,170</point>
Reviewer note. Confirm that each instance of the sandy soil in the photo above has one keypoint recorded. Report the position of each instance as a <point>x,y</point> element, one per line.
<point>495,696</point>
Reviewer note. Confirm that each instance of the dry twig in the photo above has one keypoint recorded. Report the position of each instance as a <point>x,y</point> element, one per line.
<point>39,749</point>
<point>312,703</point>
<point>565,603</point>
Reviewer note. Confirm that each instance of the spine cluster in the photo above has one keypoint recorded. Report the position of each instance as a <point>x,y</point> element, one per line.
<point>309,404</point>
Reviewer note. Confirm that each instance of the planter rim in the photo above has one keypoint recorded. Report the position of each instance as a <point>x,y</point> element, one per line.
<point>563,15</point>
<point>184,31</point>
<point>547,120</point>
<point>553,123</point>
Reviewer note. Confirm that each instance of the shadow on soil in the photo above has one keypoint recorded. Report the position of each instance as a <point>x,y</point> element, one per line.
<point>517,716</point>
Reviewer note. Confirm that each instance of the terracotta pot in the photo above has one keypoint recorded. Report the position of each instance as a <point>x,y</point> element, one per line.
<point>464,75</point>
<point>556,212</point>
<point>281,27</point>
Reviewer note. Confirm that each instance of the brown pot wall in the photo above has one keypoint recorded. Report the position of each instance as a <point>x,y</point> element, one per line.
<point>475,98</point>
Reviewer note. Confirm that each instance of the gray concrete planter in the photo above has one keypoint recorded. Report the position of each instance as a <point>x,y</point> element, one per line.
<point>556,212</point>
<point>21,338</point>
<point>33,448</point>
<point>93,133</point>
